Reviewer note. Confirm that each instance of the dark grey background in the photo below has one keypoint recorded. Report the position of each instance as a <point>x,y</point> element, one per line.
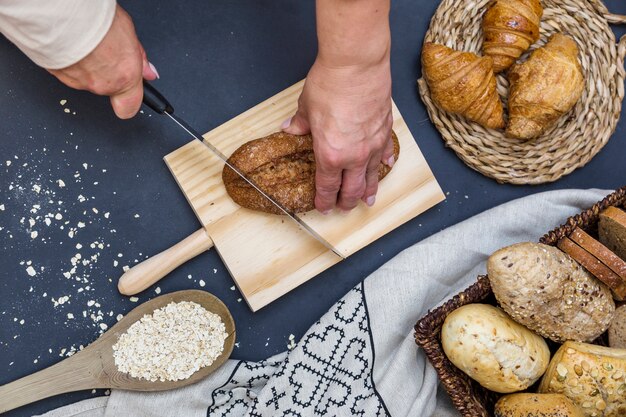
<point>216,59</point>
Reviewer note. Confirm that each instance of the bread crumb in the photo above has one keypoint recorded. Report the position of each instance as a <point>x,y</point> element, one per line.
<point>31,271</point>
<point>62,102</point>
<point>202,283</point>
<point>133,299</point>
<point>292,342</point>
<point>157,290</point>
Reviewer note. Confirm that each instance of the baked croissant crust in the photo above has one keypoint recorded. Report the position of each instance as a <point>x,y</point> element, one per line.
<point>544,88</point>
<point>509,28</point>
<point>463,83</point>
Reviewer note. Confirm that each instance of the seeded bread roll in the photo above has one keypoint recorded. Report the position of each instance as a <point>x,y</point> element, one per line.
<point>617,329</point>
<point>500,354</point>
<point>283,166</point>
<point>591,376</point>
<point>547,291</point>
<point>612,230</point>
<point>536,405</point>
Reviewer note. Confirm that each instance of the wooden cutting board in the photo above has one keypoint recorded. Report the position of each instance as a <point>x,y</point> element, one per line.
<point>269,255</point>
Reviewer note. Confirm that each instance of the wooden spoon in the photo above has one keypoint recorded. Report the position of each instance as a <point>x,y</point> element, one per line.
<point>94,366</point>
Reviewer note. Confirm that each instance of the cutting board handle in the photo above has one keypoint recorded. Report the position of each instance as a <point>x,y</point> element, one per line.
<point>146,273</point>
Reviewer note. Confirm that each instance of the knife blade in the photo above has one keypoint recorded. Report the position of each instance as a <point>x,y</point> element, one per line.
<point>157,102</point>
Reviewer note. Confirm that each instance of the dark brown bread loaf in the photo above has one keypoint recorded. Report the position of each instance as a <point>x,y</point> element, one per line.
<point>612,230</point>
<point>283,166</point>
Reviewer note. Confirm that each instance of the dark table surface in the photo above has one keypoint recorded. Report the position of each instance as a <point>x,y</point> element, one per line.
<point>216,60</point>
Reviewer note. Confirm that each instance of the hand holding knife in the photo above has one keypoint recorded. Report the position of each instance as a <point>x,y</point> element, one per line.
<point>157,102</point>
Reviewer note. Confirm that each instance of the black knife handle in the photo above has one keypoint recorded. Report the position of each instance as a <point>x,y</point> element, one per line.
<point>155,100</point>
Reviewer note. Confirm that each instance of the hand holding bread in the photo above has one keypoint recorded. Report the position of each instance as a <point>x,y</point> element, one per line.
<point>283,165</point>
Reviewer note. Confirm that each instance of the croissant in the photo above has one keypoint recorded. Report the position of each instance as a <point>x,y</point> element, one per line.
<point>463,83</point>
<point>544,88</point>
<point>509,28</point>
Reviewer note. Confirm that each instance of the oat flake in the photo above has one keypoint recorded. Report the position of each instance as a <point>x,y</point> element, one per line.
<point>171,344</point>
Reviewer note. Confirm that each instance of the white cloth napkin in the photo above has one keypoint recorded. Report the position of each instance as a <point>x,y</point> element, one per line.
<point>360,358</point>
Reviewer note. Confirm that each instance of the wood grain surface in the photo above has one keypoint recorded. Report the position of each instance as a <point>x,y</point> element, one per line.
<point>94,366</point>
<point>268,255</point>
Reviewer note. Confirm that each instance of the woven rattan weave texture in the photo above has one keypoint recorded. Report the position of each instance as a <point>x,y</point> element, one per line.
<point>467,395</point>
<point>578,135</point>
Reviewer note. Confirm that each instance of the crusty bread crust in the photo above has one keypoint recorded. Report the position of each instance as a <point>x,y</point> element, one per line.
<point>283,166</point>
<point>547,291</point>
<point>617,329</point>
<point>536,405</point>
<point>592,376</point>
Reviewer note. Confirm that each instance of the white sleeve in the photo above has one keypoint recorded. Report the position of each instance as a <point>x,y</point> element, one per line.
<point>56,33</point>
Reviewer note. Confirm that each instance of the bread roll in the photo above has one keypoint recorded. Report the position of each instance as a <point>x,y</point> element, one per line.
<point>547,291</point>
<point>502,355</point>
<point>591,376</point>
<point>612,230</point>
<point>617,329</point>
<point>463,83</point>
<point>536,405</point>
<point>283,166</point>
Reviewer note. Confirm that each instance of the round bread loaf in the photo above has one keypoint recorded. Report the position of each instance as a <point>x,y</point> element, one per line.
<point>547,291</point>
<point>536,405</point>
<point>501,355</point>
<point>617,329</point>
<point>283,166</point>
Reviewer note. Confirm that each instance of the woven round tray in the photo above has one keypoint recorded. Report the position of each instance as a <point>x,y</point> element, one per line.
<point>578,135</point>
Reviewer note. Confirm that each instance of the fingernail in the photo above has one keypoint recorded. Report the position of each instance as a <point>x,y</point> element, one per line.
<point>327,212</point>
<point>370,200</point>
<point>286,124</point>
<point>391,161</point>
<point>153,68</point>
<point>344,212</point>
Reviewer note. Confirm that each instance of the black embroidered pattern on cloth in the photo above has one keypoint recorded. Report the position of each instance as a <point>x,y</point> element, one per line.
<point>329,373</point>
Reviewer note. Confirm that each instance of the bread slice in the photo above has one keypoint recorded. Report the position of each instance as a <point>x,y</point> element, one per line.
<point>597,249</point>
<point>612,230</point>
<point>594,266</point>
<point>591,376</point>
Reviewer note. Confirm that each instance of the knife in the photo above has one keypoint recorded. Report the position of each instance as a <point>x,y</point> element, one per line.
<point>157,102</point>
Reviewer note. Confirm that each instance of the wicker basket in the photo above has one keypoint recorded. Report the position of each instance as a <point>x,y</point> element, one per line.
<point>578,135</point>
<point>471,399</point>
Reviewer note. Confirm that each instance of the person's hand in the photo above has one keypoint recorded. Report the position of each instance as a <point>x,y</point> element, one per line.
<point>348,112</point>
<point>116,68</point>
